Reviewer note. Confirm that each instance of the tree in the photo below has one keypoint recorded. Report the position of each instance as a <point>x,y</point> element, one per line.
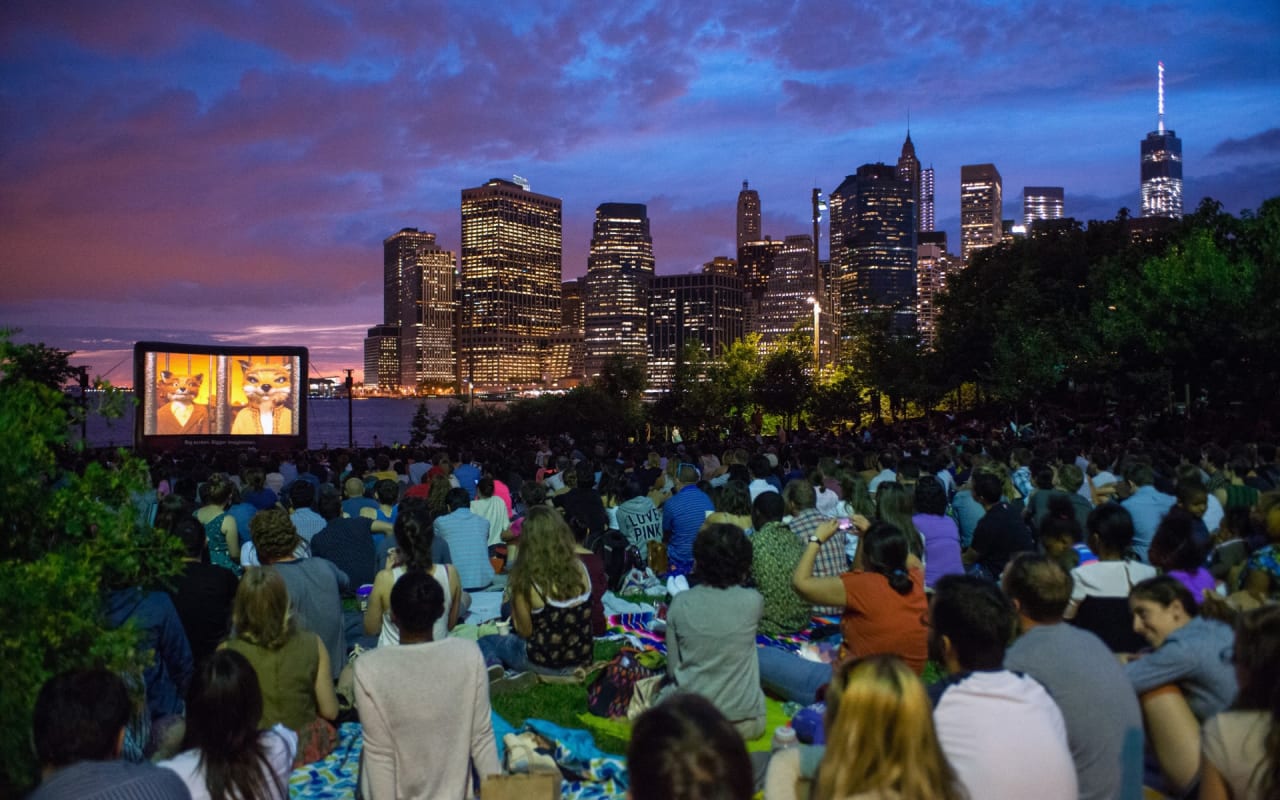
<point>783,383</point>
<point>420,428</point>
<point>65,539</point>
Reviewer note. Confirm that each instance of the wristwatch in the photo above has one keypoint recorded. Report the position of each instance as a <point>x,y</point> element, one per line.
<point>814,539</point>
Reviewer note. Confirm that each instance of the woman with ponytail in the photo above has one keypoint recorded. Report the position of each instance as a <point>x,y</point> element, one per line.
<point>225,756</point>
<point>414,537</point>
<point>884,603</point>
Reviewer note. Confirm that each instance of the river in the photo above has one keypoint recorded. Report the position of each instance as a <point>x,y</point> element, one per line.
<point>387,418</point>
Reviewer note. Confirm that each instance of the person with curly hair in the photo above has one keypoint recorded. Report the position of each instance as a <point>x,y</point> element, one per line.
<point>315,584</point>
<point>711,630</point>
<point>550,593</point>
<point>292,665</point>
<point>1241,747</point>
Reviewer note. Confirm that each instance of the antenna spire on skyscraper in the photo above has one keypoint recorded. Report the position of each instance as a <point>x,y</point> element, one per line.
<point>1160,97</point>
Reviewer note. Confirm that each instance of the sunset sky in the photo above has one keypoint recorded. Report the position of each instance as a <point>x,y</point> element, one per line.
<point>226,171</point>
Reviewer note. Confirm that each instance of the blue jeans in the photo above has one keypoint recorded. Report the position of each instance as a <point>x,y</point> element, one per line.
<point>791,677</point>
<point>512,652</point>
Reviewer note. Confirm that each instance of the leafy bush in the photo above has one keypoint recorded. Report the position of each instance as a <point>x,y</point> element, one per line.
<point>65,538</point>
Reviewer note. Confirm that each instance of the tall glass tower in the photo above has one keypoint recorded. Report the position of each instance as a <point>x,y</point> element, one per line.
<point>1161,166</point>
<point>619,270</point>
<point>981,203</point>
<point>749,223</point>
<point>510,276</point>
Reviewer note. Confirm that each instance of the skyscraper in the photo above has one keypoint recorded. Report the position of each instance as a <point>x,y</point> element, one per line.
<point>933,265</point>
<point>399,258</point>
<point>701,307</point>
<point>1041,202</point>
<point>749,227</point>
<point>873,246</point>
<point>511,265</point>
<point>428,351</point>
<point>619,269</point>
<point>789,296</point>
<point>909,171</point>
<point>382,357</point>
<point>981,199</point>
<point>926,200</point>
<point>1161,165</point>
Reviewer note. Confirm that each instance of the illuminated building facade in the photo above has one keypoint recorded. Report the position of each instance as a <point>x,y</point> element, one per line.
<point>511,266</point>
<point>619,269</point>
<point>382,357</point>
<point>933,265</point>
<point>909,171</point>
<point>1041,202</point>
<point>699,307</point>
<point>720,265</point>
<point>572,312</point>
<point>749,222</point>
<point>789,294</point>
<point>926,200</point>
<point>428,308</point>
<point>1161,165</point>
<point>873,247</point>
<point>981,199</point>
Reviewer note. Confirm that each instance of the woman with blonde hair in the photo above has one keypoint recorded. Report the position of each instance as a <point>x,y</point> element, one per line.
<point>550,594</point>
<point>881,743</point>
<point>292,665</point>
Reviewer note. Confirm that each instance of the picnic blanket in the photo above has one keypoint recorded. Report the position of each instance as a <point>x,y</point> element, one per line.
<point>336,775</point>
<point>636,629</point>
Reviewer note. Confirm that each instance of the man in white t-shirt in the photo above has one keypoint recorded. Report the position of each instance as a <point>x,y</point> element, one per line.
<point>1000,731</point>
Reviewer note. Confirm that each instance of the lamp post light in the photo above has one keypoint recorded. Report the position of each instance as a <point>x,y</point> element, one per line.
<point>817,338</point>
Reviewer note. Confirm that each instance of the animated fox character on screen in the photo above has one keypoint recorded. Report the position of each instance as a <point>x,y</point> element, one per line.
<point>180,414</point>
<point>266,390</point>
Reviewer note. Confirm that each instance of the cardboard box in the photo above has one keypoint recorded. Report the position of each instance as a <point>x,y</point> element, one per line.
<point>537,786</point>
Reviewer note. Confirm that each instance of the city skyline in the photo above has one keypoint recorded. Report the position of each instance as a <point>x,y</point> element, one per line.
<point>201,174</point>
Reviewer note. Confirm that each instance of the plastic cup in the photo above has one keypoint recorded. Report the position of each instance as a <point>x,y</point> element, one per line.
<point>362,594</point>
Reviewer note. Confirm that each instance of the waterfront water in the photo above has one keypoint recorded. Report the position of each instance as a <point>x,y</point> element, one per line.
<point>387,418</point>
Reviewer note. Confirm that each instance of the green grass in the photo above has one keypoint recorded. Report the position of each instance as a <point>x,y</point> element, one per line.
<point>559,703</point>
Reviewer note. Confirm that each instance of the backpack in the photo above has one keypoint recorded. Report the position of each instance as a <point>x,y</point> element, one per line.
<point>610,694</point>
<point>614,551</point>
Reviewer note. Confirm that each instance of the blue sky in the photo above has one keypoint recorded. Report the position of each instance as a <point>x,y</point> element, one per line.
<point>227,171</point>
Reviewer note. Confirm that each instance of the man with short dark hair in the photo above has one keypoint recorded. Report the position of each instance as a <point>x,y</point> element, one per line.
<point>449,709</point>
<point>305,520</point>
<point>1001,731</point>
<point>1098,704</point>
<point>999,534</point>
<point>801,500</point>
<point>468,537</point>
<point>682,517</point>
<point>1146,505</point>
<point>760,470</point>
<point>79,725</point>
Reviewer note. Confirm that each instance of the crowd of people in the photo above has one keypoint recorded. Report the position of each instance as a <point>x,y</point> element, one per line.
<point>1103,608</point>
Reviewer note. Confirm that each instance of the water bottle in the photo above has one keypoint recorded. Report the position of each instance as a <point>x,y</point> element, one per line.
<point>784,736</point>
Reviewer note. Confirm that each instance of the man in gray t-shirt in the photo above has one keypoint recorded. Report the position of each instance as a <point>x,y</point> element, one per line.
<point>1098,704</point>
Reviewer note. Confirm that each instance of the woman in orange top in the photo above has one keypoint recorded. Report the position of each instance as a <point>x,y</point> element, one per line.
<point>883,596</point>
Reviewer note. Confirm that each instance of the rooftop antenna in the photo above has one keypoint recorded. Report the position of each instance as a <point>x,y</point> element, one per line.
<point>1160,98</point>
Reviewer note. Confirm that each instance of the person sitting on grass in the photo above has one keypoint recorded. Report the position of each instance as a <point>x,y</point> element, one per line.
<point>427,747</point>
<point>711,630</point>
<point>415,537</point>
<point>78,732</point>
<point>550,592</point>
<point>225,756</point>
<point>684,749</point>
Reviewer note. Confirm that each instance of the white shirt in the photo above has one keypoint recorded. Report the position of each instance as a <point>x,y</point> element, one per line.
<point>885,475</point>
<point>281,746</point>
<point>1105,579</point>
<point>1005,737</point>
<point>759,486</point>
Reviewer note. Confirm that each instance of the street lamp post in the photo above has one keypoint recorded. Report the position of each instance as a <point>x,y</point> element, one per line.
<point>817,337</point>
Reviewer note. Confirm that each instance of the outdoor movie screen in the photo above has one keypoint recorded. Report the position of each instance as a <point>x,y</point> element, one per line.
<point>194,394</point>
